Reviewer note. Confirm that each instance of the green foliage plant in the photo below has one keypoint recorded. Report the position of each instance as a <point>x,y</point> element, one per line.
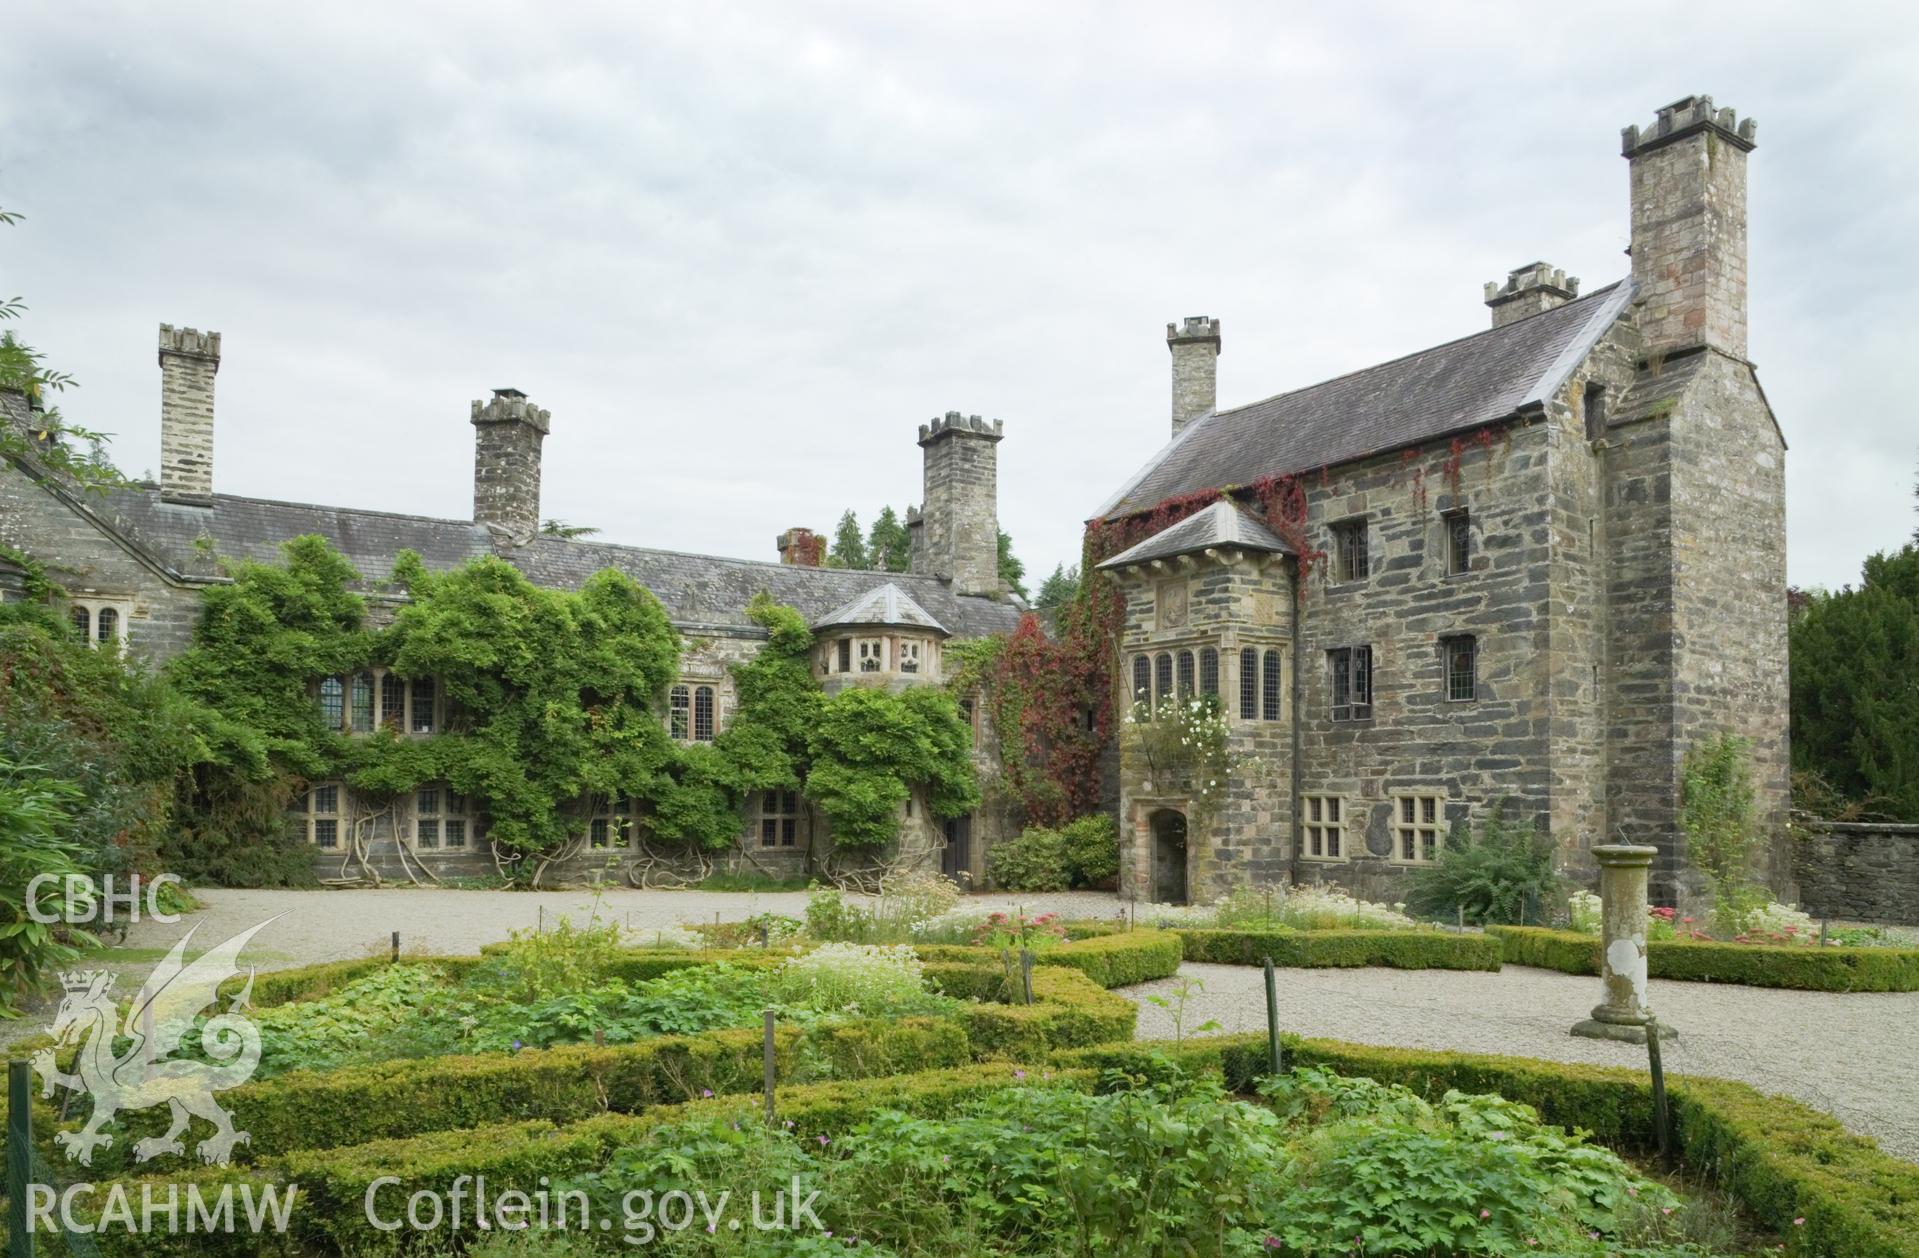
<point>34,815</point>
<point>1503,872</point>
<point>869,746</point>
<point>1716,816</point>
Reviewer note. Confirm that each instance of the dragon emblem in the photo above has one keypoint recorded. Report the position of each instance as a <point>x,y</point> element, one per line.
<point>158,1018</point>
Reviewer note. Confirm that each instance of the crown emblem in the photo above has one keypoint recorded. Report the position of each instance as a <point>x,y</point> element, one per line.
<point>83,980</point>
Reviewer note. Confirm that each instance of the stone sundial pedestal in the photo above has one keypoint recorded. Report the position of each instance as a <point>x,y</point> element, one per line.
<point>1622,1014</point>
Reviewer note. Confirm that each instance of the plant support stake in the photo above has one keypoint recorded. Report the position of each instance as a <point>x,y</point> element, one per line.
<point>1272,1018</point>
<point>19,1160</point>
<point>1660,1114</point>
<point>1026,973</point>
<point>771,1114</point>
<point>396,947</point>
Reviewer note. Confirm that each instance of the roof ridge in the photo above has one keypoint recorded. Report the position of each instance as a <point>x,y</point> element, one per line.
<point>1430,349</point>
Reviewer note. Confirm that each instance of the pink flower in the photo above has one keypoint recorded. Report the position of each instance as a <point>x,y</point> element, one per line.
<point>1485,1214</point>
<point>1800,1221</point>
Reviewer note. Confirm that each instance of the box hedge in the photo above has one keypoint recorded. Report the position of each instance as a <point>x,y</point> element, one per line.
<point>1798,967</point>
<point>1111,958</point>
<point>1395,949</point>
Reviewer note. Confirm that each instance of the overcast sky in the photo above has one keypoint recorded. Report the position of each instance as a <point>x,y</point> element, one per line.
<point>742,252</point>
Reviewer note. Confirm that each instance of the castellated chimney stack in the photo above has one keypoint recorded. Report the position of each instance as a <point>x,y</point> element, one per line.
<point>1689,226</point>
<point>957,535</point>
<point>1529,290</point>
<point>507,434</point>
<point>1194,342</point>
<point>801,547</point>
<point>189,360</point>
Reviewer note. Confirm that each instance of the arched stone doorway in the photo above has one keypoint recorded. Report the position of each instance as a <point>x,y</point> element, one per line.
<point>1169,857</point>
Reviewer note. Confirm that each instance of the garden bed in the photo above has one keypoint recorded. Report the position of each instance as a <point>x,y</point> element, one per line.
<point>1799,967</point>
<point>1782,1161</point>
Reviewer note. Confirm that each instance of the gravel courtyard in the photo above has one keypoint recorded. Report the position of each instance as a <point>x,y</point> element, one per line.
<point>1852,1056</point>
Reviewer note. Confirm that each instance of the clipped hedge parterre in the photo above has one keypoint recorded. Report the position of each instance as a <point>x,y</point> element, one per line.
<point>1799,967</point>
<point>1305,949</point>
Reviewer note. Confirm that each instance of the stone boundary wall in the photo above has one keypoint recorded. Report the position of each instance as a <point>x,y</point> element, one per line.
<point>1860,871</point>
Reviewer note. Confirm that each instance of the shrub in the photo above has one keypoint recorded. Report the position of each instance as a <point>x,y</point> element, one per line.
<point>1501,874</point>
<point>1395,949</point>
<point>1092,850</point>
<point>908,899</point>
<point>1035,861</point>
<point>536,964</point>
<point>832,919</point>
<point>33,842</point>
<point>1303,908</point>
<point>1716,813</point>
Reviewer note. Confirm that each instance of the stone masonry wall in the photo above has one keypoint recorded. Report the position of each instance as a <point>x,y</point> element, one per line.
<point>1729,583</point>
<point>1860,872</point>
<point>1473,753</point>
<point>86,560</point>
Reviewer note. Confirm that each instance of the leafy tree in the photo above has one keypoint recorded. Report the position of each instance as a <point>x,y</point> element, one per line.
<point>46,437</point>
<point>1855,687</point>
<point>889,547</point>
<point>849,547</point>
<point>1011,571</point>
<point>1058,589</point>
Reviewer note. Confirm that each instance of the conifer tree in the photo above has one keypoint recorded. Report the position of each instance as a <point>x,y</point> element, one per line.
<point>849,547</point>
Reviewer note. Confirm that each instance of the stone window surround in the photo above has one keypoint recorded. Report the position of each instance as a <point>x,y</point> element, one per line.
<point>1451,646</point>
<point>685,696</point>
<point>381,717</point>
<point>783,825</point>
<point>1425,824</point>
<point>1351,550</point>
<point>305,812</point>
<point>1183,680</point>
<point>1354,709</point>
<point>93,605</point>
<point>1456,541</point>
<point>1334,826</point>
<point>435,821</point>
<point>609,823</point>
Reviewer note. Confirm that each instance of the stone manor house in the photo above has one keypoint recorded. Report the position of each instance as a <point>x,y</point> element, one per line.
<point>1529,567</point>
<point>134,561</point>
<point>1532,565</point>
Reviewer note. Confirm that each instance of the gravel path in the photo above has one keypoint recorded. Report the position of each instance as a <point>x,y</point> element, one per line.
<point>1854,1056</point>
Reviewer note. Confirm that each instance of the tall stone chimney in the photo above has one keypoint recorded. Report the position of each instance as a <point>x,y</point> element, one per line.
<point>1689,226</point>
<point>1195,345</point>
<point>959,516</point>
<point>1529,290</point>
<point>507,434</point>
<point>189,360</point>
<point>801,548</point>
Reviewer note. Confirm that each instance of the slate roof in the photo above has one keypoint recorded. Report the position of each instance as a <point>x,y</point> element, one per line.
<point>707,591</point>
<point>887,605</point>
<point>1437,392</point>
<point>1222,524</point>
